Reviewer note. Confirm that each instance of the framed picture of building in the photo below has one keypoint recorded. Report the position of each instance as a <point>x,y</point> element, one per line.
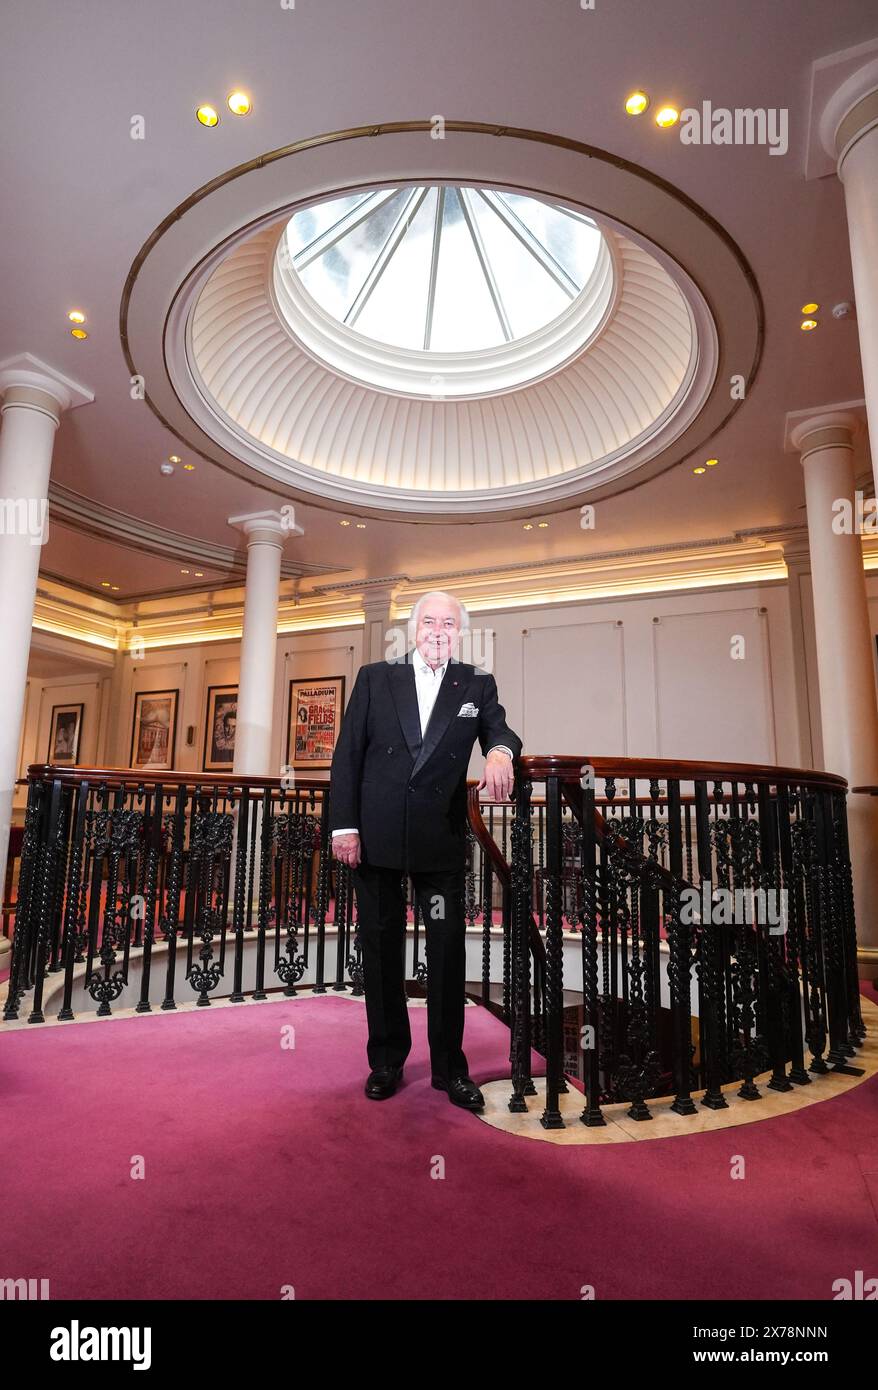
<point>154,732</point>
<point>219,728</point>
<point>313,722</point>
<point>65,733</point>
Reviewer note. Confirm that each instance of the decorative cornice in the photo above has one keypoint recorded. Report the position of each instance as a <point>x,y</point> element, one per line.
<point>69,508</point>
<point>755,556</point>
<point>558,563</point>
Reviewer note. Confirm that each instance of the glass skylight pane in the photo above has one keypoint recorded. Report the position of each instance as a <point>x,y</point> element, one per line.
<point>396,310</point>
<point>572,242</point>
<point>335,278</point>
<point>506,264</point>
<point>464,317</point>
<point>314,221</point>
<point>529,295</point>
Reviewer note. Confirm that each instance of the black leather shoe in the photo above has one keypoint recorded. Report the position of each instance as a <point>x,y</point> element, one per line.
<point>382,1082</point>
<point>461,1091</point>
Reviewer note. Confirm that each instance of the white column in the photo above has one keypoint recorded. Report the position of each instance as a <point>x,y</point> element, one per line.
<point>848,702</point>
<point>266,533</point>
<point>380,633</point>
<point>849,132</point>
<point>34,396</point>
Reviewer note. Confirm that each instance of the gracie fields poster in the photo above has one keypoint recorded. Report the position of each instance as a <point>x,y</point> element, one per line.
<point>315,712</point>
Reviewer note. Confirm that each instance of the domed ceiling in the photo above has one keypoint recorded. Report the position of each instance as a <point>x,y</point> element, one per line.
<point>463,343</point>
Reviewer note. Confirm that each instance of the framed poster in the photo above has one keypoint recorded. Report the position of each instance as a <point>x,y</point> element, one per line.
<point>219,728</point>
<point>65,732</point>
<point>313,722</point>
<point>154,731</point>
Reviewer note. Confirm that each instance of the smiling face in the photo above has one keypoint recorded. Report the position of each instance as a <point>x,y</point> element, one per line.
<point>438,631</point>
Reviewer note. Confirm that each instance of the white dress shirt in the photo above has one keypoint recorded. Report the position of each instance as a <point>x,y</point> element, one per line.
<point>427,683</point>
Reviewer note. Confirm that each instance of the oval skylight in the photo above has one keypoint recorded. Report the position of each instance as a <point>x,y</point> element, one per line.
<point>441,269</point>
<point>436,289</point>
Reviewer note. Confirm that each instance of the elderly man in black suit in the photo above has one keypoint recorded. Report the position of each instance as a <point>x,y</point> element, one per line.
<point>397,806</point>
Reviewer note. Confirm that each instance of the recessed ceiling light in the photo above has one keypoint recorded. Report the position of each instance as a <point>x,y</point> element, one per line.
<point>636,103</point>
<point>207,116</point>
<point>808,324</point>
<point>105,584</point>
<point>711,463</point>
<point>173,458</point>
<point>114,586</point>
<point>79,333</point>
<point>361,525</point>
<point>239,103</point>
<point>199,574</point>
<point>344,523</point>
<point>699,469</point>
<point>184,571</point>
<point>528,526</point>
<point>188,467</point>
<point>667,116</point>
<point>542,525</point>
<point>77,316</point>
<point>809,308</point>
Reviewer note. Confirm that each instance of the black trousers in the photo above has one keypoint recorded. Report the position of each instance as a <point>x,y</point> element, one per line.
<point>381,916</point>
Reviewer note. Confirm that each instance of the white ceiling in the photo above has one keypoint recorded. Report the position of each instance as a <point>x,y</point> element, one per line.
<point>80,198</point>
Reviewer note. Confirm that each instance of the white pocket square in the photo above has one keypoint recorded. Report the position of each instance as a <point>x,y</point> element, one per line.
<point>469,711</point>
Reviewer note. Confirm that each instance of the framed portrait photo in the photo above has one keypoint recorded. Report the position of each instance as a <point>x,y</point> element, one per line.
<point>65,733</point>
<point>313,722</point>
<point>154,731</point>
<point>219,728</point>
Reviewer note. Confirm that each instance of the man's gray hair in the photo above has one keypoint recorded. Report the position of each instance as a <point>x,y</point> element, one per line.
<point>435,593</point>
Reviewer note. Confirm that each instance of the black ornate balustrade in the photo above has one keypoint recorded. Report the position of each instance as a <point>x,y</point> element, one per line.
<point>182,888</point>
<point>713,912</point>
<point>115,862</point>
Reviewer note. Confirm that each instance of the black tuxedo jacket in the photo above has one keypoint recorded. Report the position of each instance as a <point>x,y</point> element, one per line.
<point>407,796</point>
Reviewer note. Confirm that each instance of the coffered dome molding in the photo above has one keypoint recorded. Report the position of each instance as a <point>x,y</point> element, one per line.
<point>229,377</point>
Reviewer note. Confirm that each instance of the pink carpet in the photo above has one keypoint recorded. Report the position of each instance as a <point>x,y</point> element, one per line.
<point>266,1167</point>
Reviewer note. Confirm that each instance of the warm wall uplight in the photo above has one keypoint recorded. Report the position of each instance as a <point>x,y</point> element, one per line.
<point>77,316</point>
<point>239,103</point>
<point>207,116</point>
<point>79,333</point>
<point>810,308</point>
<point>667,116</point>
<point>808,324</point>
<point>636,103</point>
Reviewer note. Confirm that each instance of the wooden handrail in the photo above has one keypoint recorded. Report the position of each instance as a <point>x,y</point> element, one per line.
<point>135,776</point>
<point>546,765</point>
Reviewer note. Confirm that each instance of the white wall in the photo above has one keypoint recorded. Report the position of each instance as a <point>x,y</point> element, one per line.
<point>652,676</point>
<point>649,676</point>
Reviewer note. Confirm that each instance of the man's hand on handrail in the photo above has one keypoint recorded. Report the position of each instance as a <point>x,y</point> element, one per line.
<point>498,776</point>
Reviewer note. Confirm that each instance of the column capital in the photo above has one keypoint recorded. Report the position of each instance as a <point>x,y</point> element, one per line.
<point>844,105</point>
<point>838,426</point>
<point>23,376</point>
<point>267,528</point>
